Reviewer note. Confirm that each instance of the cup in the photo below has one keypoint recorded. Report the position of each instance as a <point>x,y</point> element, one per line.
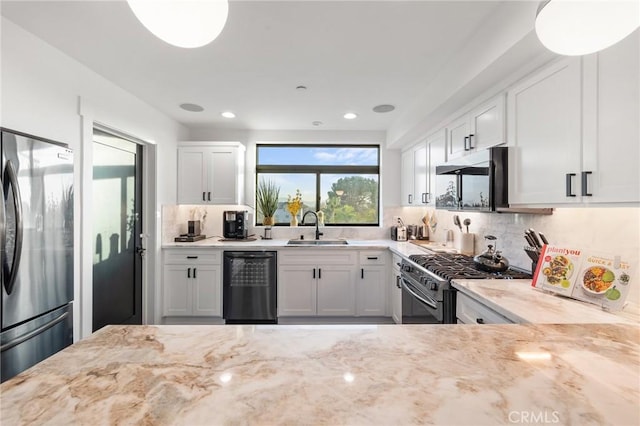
<point>466,245</point>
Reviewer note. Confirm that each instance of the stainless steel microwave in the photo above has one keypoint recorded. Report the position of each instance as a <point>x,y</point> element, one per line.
<point>476,182</point>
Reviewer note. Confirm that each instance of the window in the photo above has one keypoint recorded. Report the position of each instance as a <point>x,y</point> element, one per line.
<point>342,181</point>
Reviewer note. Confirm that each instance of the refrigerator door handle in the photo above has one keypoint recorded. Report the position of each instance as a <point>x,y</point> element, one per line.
<point>3,225</point>
<point>33,333</point>
<point>12,180</point>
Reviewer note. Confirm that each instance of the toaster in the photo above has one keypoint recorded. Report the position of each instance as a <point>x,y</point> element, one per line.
<point>399,233</point>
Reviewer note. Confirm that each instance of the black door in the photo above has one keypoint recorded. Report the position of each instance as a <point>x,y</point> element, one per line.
<point>117,225</point>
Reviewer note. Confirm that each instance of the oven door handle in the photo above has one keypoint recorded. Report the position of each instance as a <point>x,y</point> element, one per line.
<point>429,302</point>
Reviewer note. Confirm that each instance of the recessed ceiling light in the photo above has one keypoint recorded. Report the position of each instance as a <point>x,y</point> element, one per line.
<point>350,115</point>
<point>383,108</point>
<point>228,114</point>
<point>317,123</point>
<point>191,107</point>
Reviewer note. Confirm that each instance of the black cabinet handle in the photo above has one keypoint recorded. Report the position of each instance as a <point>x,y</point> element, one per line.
<point>398,281</point>
<point>314,273</point>
<point>466,139</point>
<point>479,320</point>
<point>362,273</point>
<point>372,258</point>
<point>203,196</point>
<point>192,257</point>
<point>410,198</point>
<point>568,187</point>
<point>188,272</point>
<point>471,136</point>
<point>585,183</point>
<point>319,273</point>
<point>209,196</point>
<point>194,272</point>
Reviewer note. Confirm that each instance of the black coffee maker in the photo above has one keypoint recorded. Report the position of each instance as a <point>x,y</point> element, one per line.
<point>235,224</point>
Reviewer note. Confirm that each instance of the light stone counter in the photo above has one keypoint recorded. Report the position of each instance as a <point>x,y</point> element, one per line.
<point>355,375</point>
<point>521,303</point>
<point>404,249</point>
<point>214,242</point>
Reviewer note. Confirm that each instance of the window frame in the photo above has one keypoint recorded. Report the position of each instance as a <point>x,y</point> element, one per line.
<point>319,170</point>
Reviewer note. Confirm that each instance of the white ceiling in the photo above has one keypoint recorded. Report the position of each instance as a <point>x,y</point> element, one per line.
<point>352,55</point>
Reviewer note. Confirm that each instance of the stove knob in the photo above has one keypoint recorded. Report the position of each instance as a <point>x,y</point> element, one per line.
<point>433,286</point>
<point>407,268</point>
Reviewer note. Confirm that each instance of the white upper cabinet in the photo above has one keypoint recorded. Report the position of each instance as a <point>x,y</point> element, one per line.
<point>436,155</point>
<point>414,175</point>
<point>406,178</point>
<point>612,124</point>
<point>210,173</point>
<point>545,133</point>
<point>419,168</point>
<point>480,128</point>
<point>575,131</point>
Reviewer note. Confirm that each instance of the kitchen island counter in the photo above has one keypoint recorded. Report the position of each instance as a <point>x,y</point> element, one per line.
<point>356,374</point>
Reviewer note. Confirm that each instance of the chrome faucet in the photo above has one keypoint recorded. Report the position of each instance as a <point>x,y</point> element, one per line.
<point>318,233</point>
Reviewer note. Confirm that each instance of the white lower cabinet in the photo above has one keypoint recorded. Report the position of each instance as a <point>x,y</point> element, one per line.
<point>332,283</point>
<point>191,283</point>
<point>396,290</point>
<point>471,311</point>
<point>336,290</point>
<point>372,289</point>
<point>312,283</point>
<point>297,290</point>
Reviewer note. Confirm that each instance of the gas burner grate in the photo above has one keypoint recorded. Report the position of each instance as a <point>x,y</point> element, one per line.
<point>452,266</point>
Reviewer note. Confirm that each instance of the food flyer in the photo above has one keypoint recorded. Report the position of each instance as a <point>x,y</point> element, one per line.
<point>598,278</point>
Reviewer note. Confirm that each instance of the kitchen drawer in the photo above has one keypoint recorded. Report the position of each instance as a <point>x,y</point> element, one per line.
<point>209,257</point>
<point>306,256</point>
<point>377,257</point>
<point>470,311</point>
<point>396,261</point>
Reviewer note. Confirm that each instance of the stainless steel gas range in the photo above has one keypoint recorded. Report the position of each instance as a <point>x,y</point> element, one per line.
<point>428,296</point>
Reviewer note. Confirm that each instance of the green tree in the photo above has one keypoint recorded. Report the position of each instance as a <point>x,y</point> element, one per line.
<point>352,199</point>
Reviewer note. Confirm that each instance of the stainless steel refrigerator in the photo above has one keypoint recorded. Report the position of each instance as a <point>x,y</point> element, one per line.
<point>36,250</point>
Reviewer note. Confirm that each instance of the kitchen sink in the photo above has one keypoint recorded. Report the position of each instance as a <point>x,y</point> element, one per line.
<point>317,242</point>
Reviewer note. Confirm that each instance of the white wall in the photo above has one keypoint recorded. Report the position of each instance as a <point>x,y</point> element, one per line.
<point>46,93</point>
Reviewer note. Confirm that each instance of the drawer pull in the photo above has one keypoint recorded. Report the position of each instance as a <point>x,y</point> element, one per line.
<point>192,257</point>
<point>479,320</point>
<point>188,272</point>
<point>194,272</point>
<point>372,258</point>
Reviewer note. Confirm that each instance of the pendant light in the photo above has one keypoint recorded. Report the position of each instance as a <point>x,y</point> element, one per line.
<point>182,23</point>
<point>580,27</point>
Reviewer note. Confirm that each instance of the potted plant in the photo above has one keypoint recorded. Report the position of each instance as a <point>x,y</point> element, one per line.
<point>267,195</point>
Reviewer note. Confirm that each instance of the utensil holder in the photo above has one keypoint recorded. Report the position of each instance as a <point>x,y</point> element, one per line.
<point>467,243</point>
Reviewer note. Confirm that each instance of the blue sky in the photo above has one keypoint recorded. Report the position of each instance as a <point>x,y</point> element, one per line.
<point>353,156</point>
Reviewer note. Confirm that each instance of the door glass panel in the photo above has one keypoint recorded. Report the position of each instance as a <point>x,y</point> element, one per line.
<point>116,228</point>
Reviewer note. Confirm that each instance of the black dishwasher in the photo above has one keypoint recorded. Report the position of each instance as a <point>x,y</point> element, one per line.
<point>249,287</point>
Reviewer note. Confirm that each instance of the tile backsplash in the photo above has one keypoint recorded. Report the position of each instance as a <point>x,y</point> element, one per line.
<point>614,230</point>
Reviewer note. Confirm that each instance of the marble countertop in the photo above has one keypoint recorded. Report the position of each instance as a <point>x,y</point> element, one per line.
<point>520,302</point>
<point>403,248</point>
<point>583,374</point>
